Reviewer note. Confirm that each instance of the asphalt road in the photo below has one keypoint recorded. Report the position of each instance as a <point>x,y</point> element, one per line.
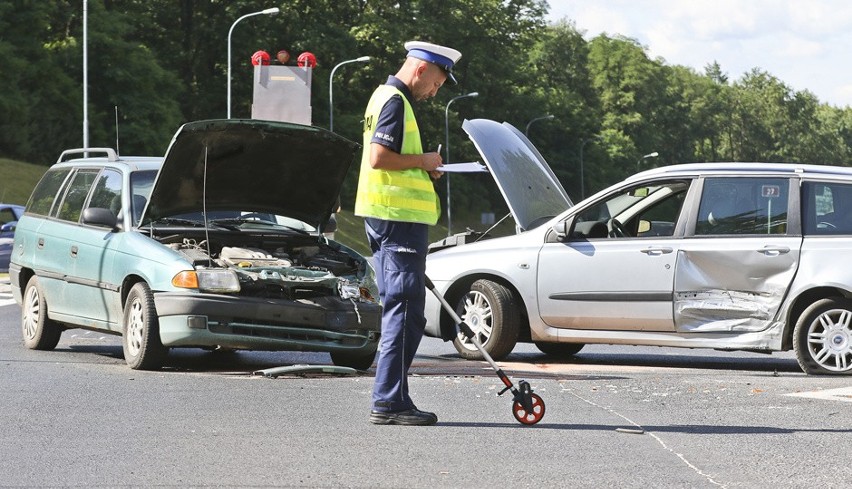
<point>78,416</point>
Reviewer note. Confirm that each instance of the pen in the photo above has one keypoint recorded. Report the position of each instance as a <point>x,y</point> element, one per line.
<point>439,149</point>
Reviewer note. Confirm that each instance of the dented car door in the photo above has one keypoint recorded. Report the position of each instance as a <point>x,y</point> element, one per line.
<point>734,270</point>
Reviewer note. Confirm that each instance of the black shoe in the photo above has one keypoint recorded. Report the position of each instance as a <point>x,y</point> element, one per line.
<point>410,417</point>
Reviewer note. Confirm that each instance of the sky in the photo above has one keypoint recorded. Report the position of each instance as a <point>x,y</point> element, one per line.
<point>807,44</point>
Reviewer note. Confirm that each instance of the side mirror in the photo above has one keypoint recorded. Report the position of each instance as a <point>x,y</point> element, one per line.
<point>561,230</point>
<point>98,216</point>
<point>7,228</point>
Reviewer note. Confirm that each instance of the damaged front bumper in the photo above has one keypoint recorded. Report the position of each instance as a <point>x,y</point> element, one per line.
<point>327,324</point>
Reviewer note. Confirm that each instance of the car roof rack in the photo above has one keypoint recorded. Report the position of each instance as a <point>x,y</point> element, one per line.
<point>110,153</point>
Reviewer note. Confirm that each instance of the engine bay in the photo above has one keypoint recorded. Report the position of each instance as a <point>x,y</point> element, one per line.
<point>276,267</point>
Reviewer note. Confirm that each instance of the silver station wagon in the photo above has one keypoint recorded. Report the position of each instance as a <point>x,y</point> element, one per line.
<point>214,246</point>
<point>730,256</point>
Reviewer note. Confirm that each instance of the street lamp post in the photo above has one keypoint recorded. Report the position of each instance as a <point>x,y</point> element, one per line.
<point>269,11</point>
<point>447,153</point>
<point>527,131</point>
<point>582,178</point>
<point>649,155</point>
<point>330,94</point>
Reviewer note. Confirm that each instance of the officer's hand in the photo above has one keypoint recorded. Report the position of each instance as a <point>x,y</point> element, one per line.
<point>435,175</point>
<point>431,161</point>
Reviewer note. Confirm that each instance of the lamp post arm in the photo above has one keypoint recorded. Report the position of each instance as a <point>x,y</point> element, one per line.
<point>273,10</point>
<point>527,130</point>
<point>330,92</point>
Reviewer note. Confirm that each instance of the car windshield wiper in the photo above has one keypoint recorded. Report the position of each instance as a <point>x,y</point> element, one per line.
<point>242,220</point>
<point>236,222</point>
<point>175,221</point>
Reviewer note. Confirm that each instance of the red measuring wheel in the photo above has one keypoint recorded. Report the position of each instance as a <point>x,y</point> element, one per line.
<point>532,416</point>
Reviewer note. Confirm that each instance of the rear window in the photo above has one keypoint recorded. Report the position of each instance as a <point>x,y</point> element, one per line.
<point>45,192</point>
<point>827,208</point>
<point>754,205</point>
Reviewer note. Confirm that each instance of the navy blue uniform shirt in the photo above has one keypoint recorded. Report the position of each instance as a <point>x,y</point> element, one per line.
<point>391,123</point>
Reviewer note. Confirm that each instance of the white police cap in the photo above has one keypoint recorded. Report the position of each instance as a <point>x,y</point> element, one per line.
<point>442,56</point>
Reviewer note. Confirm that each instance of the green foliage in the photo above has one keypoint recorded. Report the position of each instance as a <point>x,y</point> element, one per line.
<point>164,62</point>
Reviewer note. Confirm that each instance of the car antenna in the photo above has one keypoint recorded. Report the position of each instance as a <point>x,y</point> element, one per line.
<point>116,131</point>
<point>204,210</point>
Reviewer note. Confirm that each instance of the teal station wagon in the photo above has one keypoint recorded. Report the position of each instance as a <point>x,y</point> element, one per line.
<point>216,246</point>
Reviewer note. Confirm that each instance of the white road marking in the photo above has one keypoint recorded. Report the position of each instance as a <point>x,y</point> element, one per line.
<point>841,394</point>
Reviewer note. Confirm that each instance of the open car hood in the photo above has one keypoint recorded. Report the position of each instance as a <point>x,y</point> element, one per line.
<point>252,165</point>
<point>529,186</point>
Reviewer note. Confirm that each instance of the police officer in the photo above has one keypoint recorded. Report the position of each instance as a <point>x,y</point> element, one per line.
<point>398,200</point>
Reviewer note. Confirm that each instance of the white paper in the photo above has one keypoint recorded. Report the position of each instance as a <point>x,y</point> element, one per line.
<point>470,167</point>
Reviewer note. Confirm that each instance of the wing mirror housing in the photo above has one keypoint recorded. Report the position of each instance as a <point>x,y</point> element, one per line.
<point>560,229</point>
<point>98,216</point>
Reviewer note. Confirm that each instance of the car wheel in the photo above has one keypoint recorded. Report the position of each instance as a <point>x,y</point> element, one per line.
<point>823,337</point>
<point>491,311</point>
<point>141,332</point>
<point>560,349</point>
<point>39,331</point>
<point>358,362</point>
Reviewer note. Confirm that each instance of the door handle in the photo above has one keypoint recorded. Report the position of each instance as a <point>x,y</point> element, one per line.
<point>774,250</point>
<point>656,250</point>
<point>73,252</point>
<point>40,243</point>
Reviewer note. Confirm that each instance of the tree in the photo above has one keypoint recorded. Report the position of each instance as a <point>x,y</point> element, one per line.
<point>38,91</point>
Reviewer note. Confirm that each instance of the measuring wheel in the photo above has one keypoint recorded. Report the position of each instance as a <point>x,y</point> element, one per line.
<point>532,416</point>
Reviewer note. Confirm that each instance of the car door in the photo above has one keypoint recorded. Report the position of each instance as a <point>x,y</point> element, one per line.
<point>614,270</point>
<point>63,235</point>
<point>741,255</point>
<point>91,257</point>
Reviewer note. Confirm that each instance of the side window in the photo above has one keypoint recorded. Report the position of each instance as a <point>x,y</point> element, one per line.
<point>107,193</point>
<point>753,205</point>
<point>827,208</point>
<point>41,200</point>
<point>75,195</point>
<point>648,210</point>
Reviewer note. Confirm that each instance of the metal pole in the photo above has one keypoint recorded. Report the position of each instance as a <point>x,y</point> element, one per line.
<point>273,10</point>
<point>447,153</point>
<point>330,94</point>
<point>85,77</point>
<point>527,131</point>
<point>582,184</point>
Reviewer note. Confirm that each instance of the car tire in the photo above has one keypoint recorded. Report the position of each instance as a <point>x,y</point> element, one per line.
<point>822,337</point>
<point>352,360</point>
<point>143,349</point>
<point>560,349</point>
<point>491,311</point>
<point>39,331</point>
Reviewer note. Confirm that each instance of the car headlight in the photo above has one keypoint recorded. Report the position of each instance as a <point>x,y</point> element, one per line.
<point>208,280</point>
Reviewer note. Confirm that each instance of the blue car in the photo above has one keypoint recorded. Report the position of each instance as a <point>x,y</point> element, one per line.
<point>9,215</point>
<point>214,246</point>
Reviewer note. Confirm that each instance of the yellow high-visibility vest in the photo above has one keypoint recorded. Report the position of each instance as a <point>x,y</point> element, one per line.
<point>395,195</point>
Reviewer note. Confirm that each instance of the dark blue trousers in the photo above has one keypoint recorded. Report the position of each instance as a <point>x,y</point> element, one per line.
<point>399,257</point>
